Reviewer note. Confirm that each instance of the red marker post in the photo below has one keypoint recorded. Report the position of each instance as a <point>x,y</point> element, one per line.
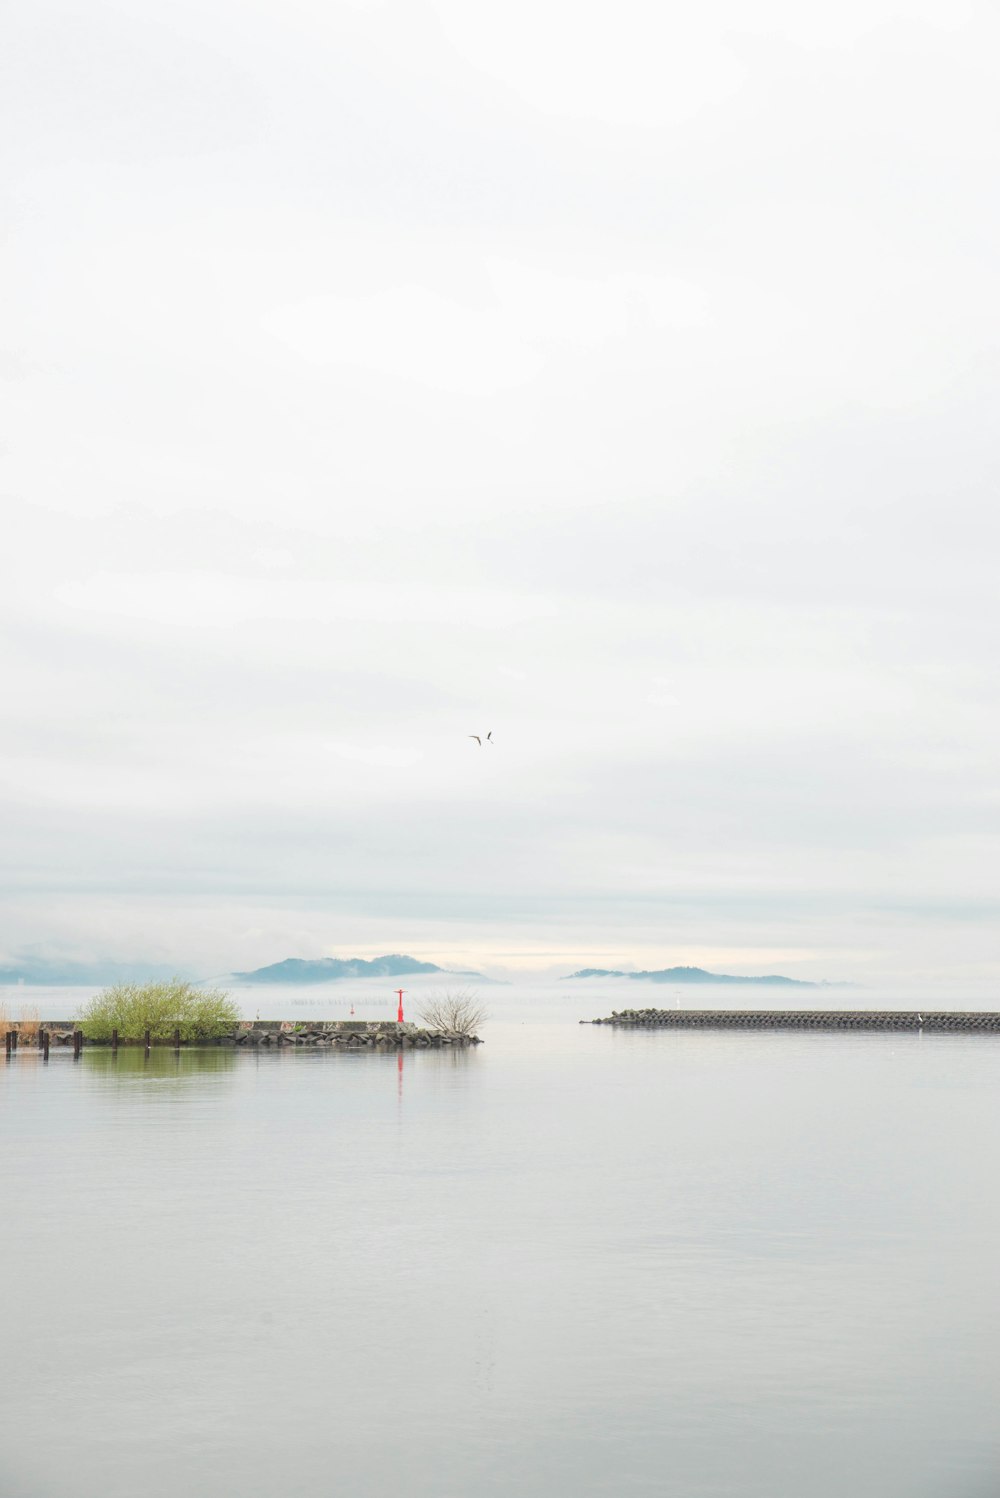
<point>399,1016</point>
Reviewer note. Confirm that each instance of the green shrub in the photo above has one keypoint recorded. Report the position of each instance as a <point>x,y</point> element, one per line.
<point>160,1008</point>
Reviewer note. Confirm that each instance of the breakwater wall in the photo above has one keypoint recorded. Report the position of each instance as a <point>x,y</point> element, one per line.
<point>945,1022</point>
<point>271,1034</point>
<point>344,1033</point>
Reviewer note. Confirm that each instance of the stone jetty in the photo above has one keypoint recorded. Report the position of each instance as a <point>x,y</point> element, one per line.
<point>339,1034</point>
<point>947,1022</point>
<point>344,1034</point>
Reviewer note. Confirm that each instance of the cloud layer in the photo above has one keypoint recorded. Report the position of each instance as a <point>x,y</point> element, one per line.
<point>619,380</point>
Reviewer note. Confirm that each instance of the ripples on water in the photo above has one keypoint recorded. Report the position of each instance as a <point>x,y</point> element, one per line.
<point>572,1261</point>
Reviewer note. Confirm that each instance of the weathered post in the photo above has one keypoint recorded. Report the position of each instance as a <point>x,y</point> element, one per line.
<point>77,1044</point>
<point>7,1043</point>
<point>177,1039</point>
<point>146,1039</point>
<point>43,1041</point>
<point>13,1044</point>
<point>114,1042</point>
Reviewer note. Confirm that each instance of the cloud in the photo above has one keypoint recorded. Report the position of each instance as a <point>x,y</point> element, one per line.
<point>414,332</point>
<point>408,333</point>
<point>195,600</point>
<point>622,383</point>
<point>660,694</point>
<point>274,558</point>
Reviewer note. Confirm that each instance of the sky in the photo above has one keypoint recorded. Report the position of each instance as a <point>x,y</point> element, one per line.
<point>620,379</point>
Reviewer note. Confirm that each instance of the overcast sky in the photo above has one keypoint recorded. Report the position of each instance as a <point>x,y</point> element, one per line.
<point>622,379</point>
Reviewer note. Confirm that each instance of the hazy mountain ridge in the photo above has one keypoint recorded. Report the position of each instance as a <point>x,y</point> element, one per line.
<point>56,973</point>
<point>692,975</point>
<point>330,969</point>
<point>297,970</point>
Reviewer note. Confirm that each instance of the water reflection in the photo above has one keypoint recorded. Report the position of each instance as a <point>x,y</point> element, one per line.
<point>131,1065</point>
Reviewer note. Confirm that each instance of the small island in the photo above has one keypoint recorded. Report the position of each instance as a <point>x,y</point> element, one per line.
<point>692,975</point>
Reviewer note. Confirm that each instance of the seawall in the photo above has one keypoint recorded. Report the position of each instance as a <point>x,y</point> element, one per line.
<point>948,1022</point>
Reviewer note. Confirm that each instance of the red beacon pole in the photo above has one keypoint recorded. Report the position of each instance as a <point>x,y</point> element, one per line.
<point>400,992</point>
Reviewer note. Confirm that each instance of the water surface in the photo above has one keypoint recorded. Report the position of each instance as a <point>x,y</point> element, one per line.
<point>571,1261</point>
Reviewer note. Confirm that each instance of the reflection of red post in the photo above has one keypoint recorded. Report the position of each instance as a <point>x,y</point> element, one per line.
<point>400,992</point>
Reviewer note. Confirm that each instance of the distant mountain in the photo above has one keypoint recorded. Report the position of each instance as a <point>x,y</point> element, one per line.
<point>691,975</point>
<point>329,969</point>
<point>62,974</point>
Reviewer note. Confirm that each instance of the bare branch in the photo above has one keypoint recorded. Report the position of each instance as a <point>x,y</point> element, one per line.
<point>457,1013</point>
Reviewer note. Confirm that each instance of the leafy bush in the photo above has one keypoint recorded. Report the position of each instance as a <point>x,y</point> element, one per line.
<point>453,1013</point>
<point>160,1008</point>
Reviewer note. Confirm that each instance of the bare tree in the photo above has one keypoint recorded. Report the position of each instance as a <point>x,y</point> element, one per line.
<point>458,1013</point>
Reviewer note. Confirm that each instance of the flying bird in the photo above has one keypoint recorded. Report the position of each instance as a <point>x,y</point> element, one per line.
<point>489,738</point>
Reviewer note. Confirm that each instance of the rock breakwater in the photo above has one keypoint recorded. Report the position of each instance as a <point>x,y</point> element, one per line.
<point>345,1034</point>
<point>940,1021</point>
<point>340,1034</point>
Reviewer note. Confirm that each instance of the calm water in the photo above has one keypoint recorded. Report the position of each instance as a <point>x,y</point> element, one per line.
<point>571,1261</point>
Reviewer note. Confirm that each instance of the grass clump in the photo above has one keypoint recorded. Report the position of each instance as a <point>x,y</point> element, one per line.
<point>28,1025</point>
<point>160,1008</point>
<point>458,1013</point>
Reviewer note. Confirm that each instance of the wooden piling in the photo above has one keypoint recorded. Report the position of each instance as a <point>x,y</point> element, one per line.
<point>177,1039</point>
<point>146,1041</point>
<point>43,1041</point>
<point>114,1041</point>
<point>77,1044</point>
